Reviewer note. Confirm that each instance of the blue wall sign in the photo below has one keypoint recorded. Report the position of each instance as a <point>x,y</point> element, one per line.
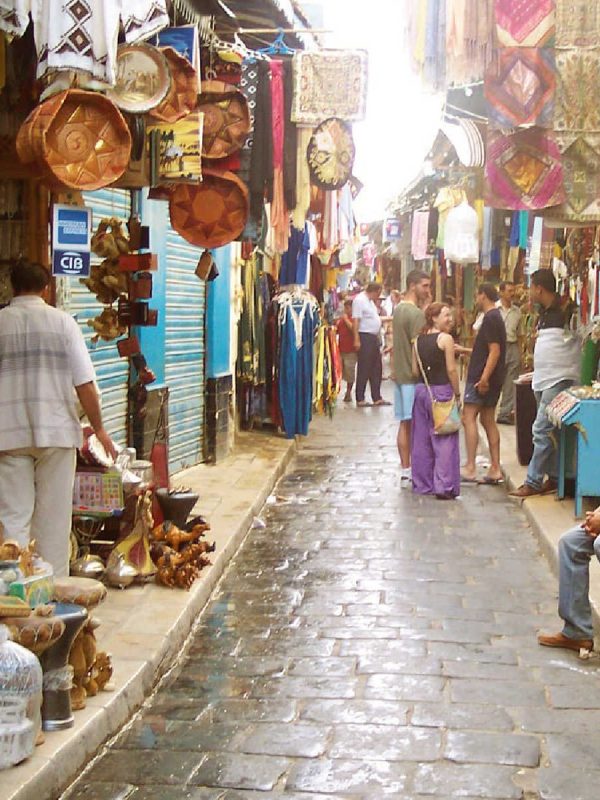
<point>71,240</point>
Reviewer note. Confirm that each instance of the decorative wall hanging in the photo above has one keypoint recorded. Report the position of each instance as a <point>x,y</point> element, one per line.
<point>577,23</point>
<point>81,35</point>
<point>180,148</point>
<point>226,119</point>
<point>520,87</point>
<point>79,139</point>
<point>581,166</point>
<point>143,78</point>
<point>330,83</point>
<point>210,214</point>
<point>523,170</point>
<point>524,24</point>
<point>182,97</point>
<point>331,154</point>
<point>578,91</point>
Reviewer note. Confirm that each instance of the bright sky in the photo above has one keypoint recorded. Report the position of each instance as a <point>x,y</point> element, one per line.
<point>402,119</point>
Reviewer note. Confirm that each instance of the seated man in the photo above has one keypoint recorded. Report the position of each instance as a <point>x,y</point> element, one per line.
<point>575,549</point>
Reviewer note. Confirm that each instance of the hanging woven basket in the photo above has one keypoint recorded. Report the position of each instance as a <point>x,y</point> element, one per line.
<point>212,213</point>
<point>182,97</point>
<point>226,119</point>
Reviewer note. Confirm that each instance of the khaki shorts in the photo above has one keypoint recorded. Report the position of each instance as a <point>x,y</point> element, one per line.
<point>349,362</point>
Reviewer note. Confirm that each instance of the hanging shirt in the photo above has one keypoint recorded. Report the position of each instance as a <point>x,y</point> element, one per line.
<point>43,356</point>
<point>82,35</point>
<point>365,311</point>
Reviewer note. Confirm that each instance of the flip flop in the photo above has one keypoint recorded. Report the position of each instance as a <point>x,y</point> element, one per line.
<point>363,404</point>
<point>469,480</point>
<point>487,481</point>
<point>381,403</point>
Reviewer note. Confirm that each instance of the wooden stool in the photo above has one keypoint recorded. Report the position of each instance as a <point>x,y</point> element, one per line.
<point>83,655</point>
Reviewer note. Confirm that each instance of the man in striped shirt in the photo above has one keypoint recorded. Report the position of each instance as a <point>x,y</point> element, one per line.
<point>44,364</point>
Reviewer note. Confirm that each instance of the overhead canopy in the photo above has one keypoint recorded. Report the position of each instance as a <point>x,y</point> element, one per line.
<point>466,138</point>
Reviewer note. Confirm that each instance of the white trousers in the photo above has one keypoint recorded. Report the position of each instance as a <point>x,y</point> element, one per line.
<point>36,500</point>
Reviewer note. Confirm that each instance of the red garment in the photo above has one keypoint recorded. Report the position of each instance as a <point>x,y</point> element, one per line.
<point>346,336</point>
<point>279,212</point>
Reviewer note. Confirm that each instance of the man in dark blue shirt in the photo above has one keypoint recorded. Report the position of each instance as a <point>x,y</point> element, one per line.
<point>484,386</point>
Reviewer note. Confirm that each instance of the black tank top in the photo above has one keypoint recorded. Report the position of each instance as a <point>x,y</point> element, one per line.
<point>433,360</point>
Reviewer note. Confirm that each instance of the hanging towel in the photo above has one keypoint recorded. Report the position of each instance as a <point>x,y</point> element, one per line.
<point>419,234</point>
<point>523,229</point>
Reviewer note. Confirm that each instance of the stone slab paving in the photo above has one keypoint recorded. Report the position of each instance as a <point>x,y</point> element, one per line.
<point>368,643</point>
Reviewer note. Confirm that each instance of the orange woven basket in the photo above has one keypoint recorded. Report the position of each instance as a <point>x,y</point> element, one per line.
<point>79,139</point>
<point>226,119</point>
<point>182,97</point>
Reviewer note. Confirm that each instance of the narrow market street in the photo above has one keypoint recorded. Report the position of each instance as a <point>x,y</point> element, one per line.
<point>368,643</point>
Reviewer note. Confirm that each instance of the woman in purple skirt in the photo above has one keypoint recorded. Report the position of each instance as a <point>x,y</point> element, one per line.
<point>435,459</point>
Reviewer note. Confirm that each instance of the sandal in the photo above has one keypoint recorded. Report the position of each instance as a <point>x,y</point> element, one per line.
<point>487,481</point>
<point>362,404</point>
<point>381,402</point>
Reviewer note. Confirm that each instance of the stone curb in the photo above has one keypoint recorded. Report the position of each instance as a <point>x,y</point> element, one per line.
<point>59,761</point>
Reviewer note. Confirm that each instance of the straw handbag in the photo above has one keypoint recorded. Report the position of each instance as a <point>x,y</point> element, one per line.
<point>446,413</point>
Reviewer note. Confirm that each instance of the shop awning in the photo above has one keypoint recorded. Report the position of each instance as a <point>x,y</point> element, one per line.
<point>466,138</point>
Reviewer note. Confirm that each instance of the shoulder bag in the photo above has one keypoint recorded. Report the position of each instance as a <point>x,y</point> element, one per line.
<point>446,413</point>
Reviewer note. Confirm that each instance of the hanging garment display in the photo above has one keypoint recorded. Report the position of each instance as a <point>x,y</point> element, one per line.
<point>462,235</point>
<point>180,143</point>
<point>81,35</point>
<point>78,139</point>
<point>248,87</point>
<point>261,164</point>
<point>581,166</point>
<point>210,214</point>
<point>469,39</point>
<point>330,83</point>
<point>577,23</point>
<point>142,78</point>
<point>524,24</point>
<point>182,97</point>
<point>279,217</point>
<point>290,139</point>
<point>302,178</point>
<point>226,119</point>
<point>294,262</point>
<point>331,154</point>
<point>298,320</point>
<point>523,170</point>
<point>520,87</point>
<point>420,226</point>
<point>578,91</point>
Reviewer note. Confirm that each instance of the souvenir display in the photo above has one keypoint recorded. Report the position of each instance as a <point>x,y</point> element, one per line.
<point>79,139</point>
<point>180,149</point>
<point>182,97</point>
<point>210,214</point>
<point>329,83</point>
<point>37,632</point>
<point>180,555</point>
<point>143,78</point>
<point>226,119</point>
<point>130,560</point>
<point>519,24</point>
<point>20,701</point>
<point>331,154</point>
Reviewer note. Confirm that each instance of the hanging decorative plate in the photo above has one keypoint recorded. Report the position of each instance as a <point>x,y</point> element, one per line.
<point>226,119</point>
<point>212,213</point>
<point>79,139</point>
<point>331,154</point>
<point>143,78</point>
<point>182,97</point>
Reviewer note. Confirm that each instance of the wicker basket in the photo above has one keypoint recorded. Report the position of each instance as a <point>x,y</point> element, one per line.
<point>182,97</point>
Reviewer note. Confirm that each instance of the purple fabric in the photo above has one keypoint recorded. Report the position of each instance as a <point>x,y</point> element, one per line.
<point>435,459</point>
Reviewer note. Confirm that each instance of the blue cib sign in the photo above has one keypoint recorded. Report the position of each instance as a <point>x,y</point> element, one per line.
<point>71,239</point>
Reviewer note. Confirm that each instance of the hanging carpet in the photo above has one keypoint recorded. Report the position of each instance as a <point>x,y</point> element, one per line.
<point>524,23</point>
<point>577,91</point>
<point>330,83</point>
<point>581,165</point>
<point>331,154</point>
<point>520,87</point>
<point>523,170</point>
<point>577,23</point>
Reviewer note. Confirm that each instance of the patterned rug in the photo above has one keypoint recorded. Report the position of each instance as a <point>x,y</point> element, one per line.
<point>577,23</point>
<point>523,170</point>
<point>577,106</point>
<point>520,87</point>
<point>524,23</point>
<point>330,83</point>
<point>581,166</point>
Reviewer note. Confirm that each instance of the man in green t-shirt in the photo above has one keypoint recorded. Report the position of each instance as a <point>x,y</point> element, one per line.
<point>408,322</point>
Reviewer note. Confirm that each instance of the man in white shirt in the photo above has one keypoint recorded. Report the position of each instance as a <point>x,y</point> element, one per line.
<point>44,363</point>
<point>511,314</point>
<point>367,342</point>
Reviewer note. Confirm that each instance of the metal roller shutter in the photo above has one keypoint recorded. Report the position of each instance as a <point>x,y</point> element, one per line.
<point>111,370</point>
<point>184,353</point>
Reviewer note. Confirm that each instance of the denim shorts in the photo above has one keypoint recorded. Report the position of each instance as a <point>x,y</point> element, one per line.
<point>489,400</point>
<point>404,399</point>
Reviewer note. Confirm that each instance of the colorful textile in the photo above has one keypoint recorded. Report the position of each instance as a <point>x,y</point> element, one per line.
<point>520,87</point>
<point>524,23</point>
<point>577,23</point>
<point>419,235</point>
<point>248,87</point>
<point>469,39</point>
<point>80,34</point>
<point>581,165</point>
<point>523,170</point>
<point>578,91</point>
<point>330,83</point>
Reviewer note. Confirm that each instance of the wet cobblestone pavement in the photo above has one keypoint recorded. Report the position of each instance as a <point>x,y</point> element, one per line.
<point>368,643</point>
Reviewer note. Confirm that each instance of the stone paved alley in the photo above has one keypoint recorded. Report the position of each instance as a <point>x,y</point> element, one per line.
<point>368,643</point>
